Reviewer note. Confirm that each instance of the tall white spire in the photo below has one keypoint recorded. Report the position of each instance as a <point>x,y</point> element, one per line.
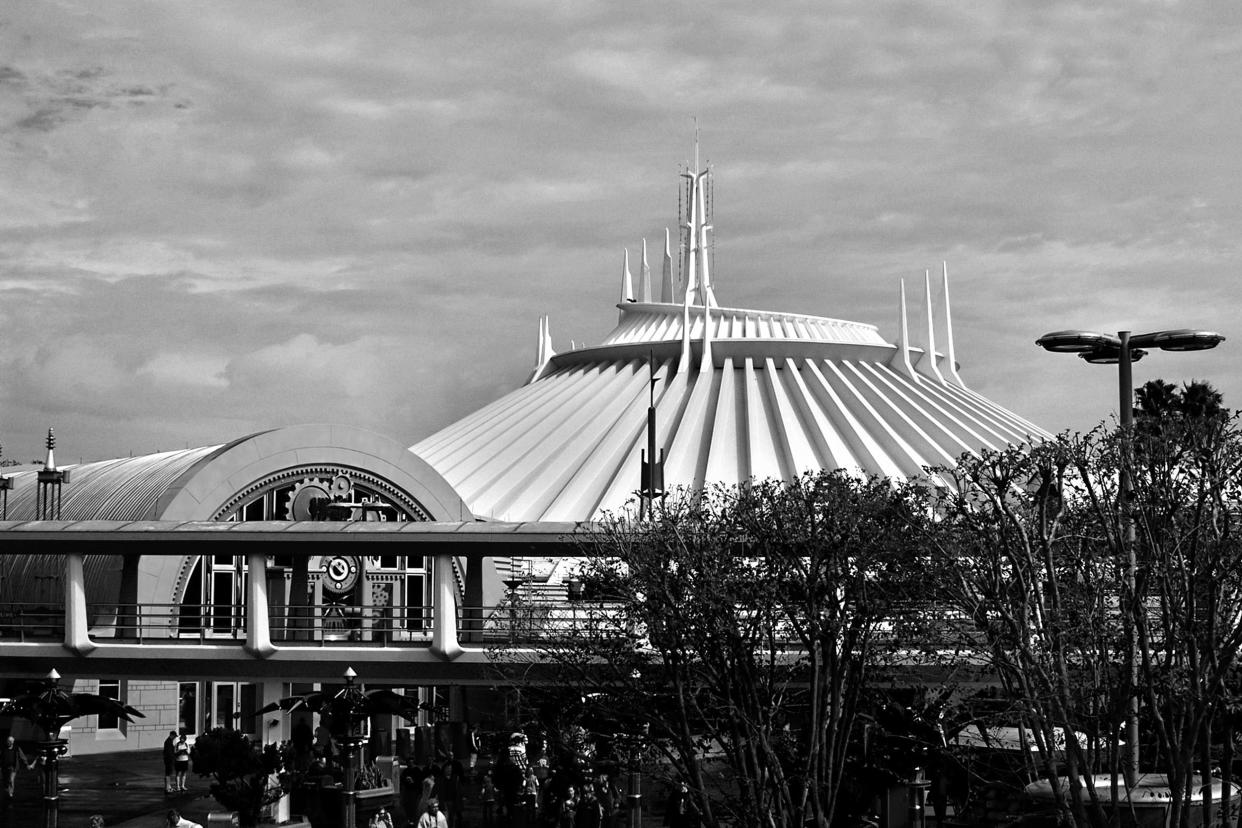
<point>950,355</point>
<point>666,277</point>
<point>644,294</point>
<point>627,283</point>
<point>901,359</point>
<point>927,363</point>
<point>696,267</point>
<point>543,349</point>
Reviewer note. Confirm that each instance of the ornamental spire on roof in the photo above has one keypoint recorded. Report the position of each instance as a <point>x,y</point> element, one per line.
<point>644,287</point>
<point>696,267</point>
<point>49,464</point>
<point>950,354</point>
<point>927,363</point>
<point>666,277</point>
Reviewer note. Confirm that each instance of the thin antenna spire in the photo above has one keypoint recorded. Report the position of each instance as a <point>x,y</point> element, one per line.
<point>696,144</point>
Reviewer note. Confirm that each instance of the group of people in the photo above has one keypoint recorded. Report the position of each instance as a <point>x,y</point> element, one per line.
<point>556,797</point>
<point>176,762</point>
<point>442,785</point>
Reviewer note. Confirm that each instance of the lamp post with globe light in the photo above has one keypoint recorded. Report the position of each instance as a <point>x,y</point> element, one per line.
<point>1123,350</point>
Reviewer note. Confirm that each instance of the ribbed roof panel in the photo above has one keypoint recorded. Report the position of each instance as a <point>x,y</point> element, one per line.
<point>124,489</point>
<point>785,393</point>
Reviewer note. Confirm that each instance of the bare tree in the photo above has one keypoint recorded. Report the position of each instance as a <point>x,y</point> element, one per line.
<point>1017,551</point>
<point>1033,546</point>
<point>737,636</point>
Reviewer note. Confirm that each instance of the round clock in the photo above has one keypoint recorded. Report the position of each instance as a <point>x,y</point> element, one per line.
<point>340,573</point>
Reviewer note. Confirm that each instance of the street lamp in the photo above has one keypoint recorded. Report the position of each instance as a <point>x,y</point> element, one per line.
<point>1123,350</point>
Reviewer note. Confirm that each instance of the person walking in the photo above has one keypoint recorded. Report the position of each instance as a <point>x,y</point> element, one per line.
<point>432,818</point>
<point>181,762</point>
<point>169,759</point>
<point>11,756</point>
<point>428,794</point>
<point>681,812</point>
<point>449,792</point>
<point>487,795</point>
<point>568,811</point>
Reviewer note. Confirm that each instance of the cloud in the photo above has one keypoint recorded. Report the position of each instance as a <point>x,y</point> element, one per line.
<point>288,212</point>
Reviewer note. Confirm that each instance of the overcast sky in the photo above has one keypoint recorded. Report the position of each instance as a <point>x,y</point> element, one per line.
<point>217,218</point>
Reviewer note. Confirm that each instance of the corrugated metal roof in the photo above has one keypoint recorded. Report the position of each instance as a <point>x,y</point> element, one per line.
<point>124,489</point>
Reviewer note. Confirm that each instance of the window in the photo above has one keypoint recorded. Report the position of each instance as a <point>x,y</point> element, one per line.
<point>187,707</point>
<point>415,600</point>
<point>110,689</point>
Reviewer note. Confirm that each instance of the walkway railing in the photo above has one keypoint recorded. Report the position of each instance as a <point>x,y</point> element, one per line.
<point>524,623</point>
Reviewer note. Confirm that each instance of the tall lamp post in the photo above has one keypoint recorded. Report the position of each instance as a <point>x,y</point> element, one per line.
<point>1123,350</point>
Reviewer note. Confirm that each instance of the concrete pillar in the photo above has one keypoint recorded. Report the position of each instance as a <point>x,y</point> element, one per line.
<point>77,624</point>
<point>258,627</point>
<point>474,600</point>
<point>127,615</point>
<point>444,610</point>
<point>299,611</point>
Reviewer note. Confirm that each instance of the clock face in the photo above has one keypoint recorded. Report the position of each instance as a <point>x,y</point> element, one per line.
<point>340,573</point>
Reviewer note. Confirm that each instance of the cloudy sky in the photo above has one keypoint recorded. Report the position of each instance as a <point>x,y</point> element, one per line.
<point>216,218</point>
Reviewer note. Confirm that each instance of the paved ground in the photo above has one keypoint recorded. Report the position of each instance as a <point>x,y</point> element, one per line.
<point>127,789</point>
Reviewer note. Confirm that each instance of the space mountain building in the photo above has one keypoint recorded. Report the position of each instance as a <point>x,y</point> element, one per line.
<point>738,394</point>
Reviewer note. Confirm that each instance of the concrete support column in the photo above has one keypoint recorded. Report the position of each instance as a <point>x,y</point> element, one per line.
<point>77,624</point>
<point>444,609</point>
<point>299,596</point>
<point>127,615</point>
<point>258,626</point>
<point>473,615</point>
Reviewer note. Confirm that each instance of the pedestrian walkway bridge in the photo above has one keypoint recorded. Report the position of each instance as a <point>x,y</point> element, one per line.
<point>447,642</point>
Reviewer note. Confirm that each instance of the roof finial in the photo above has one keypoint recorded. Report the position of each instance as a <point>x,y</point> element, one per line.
<point>50,463</point>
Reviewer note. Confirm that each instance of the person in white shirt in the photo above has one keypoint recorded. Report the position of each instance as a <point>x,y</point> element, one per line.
<point>175,820</point>
<point>432,818</point>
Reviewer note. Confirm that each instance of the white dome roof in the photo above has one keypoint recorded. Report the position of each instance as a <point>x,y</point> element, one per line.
<point>780,394</point>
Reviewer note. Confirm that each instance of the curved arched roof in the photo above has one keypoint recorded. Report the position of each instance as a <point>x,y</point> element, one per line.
<point>204,484</point>
<point>128,488</point>
<point>197,483</point>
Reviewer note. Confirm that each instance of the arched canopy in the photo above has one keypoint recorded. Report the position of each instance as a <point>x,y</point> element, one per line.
<point>215,483</point>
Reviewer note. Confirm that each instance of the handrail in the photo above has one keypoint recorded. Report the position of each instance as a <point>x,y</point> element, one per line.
<point>527,622</point>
